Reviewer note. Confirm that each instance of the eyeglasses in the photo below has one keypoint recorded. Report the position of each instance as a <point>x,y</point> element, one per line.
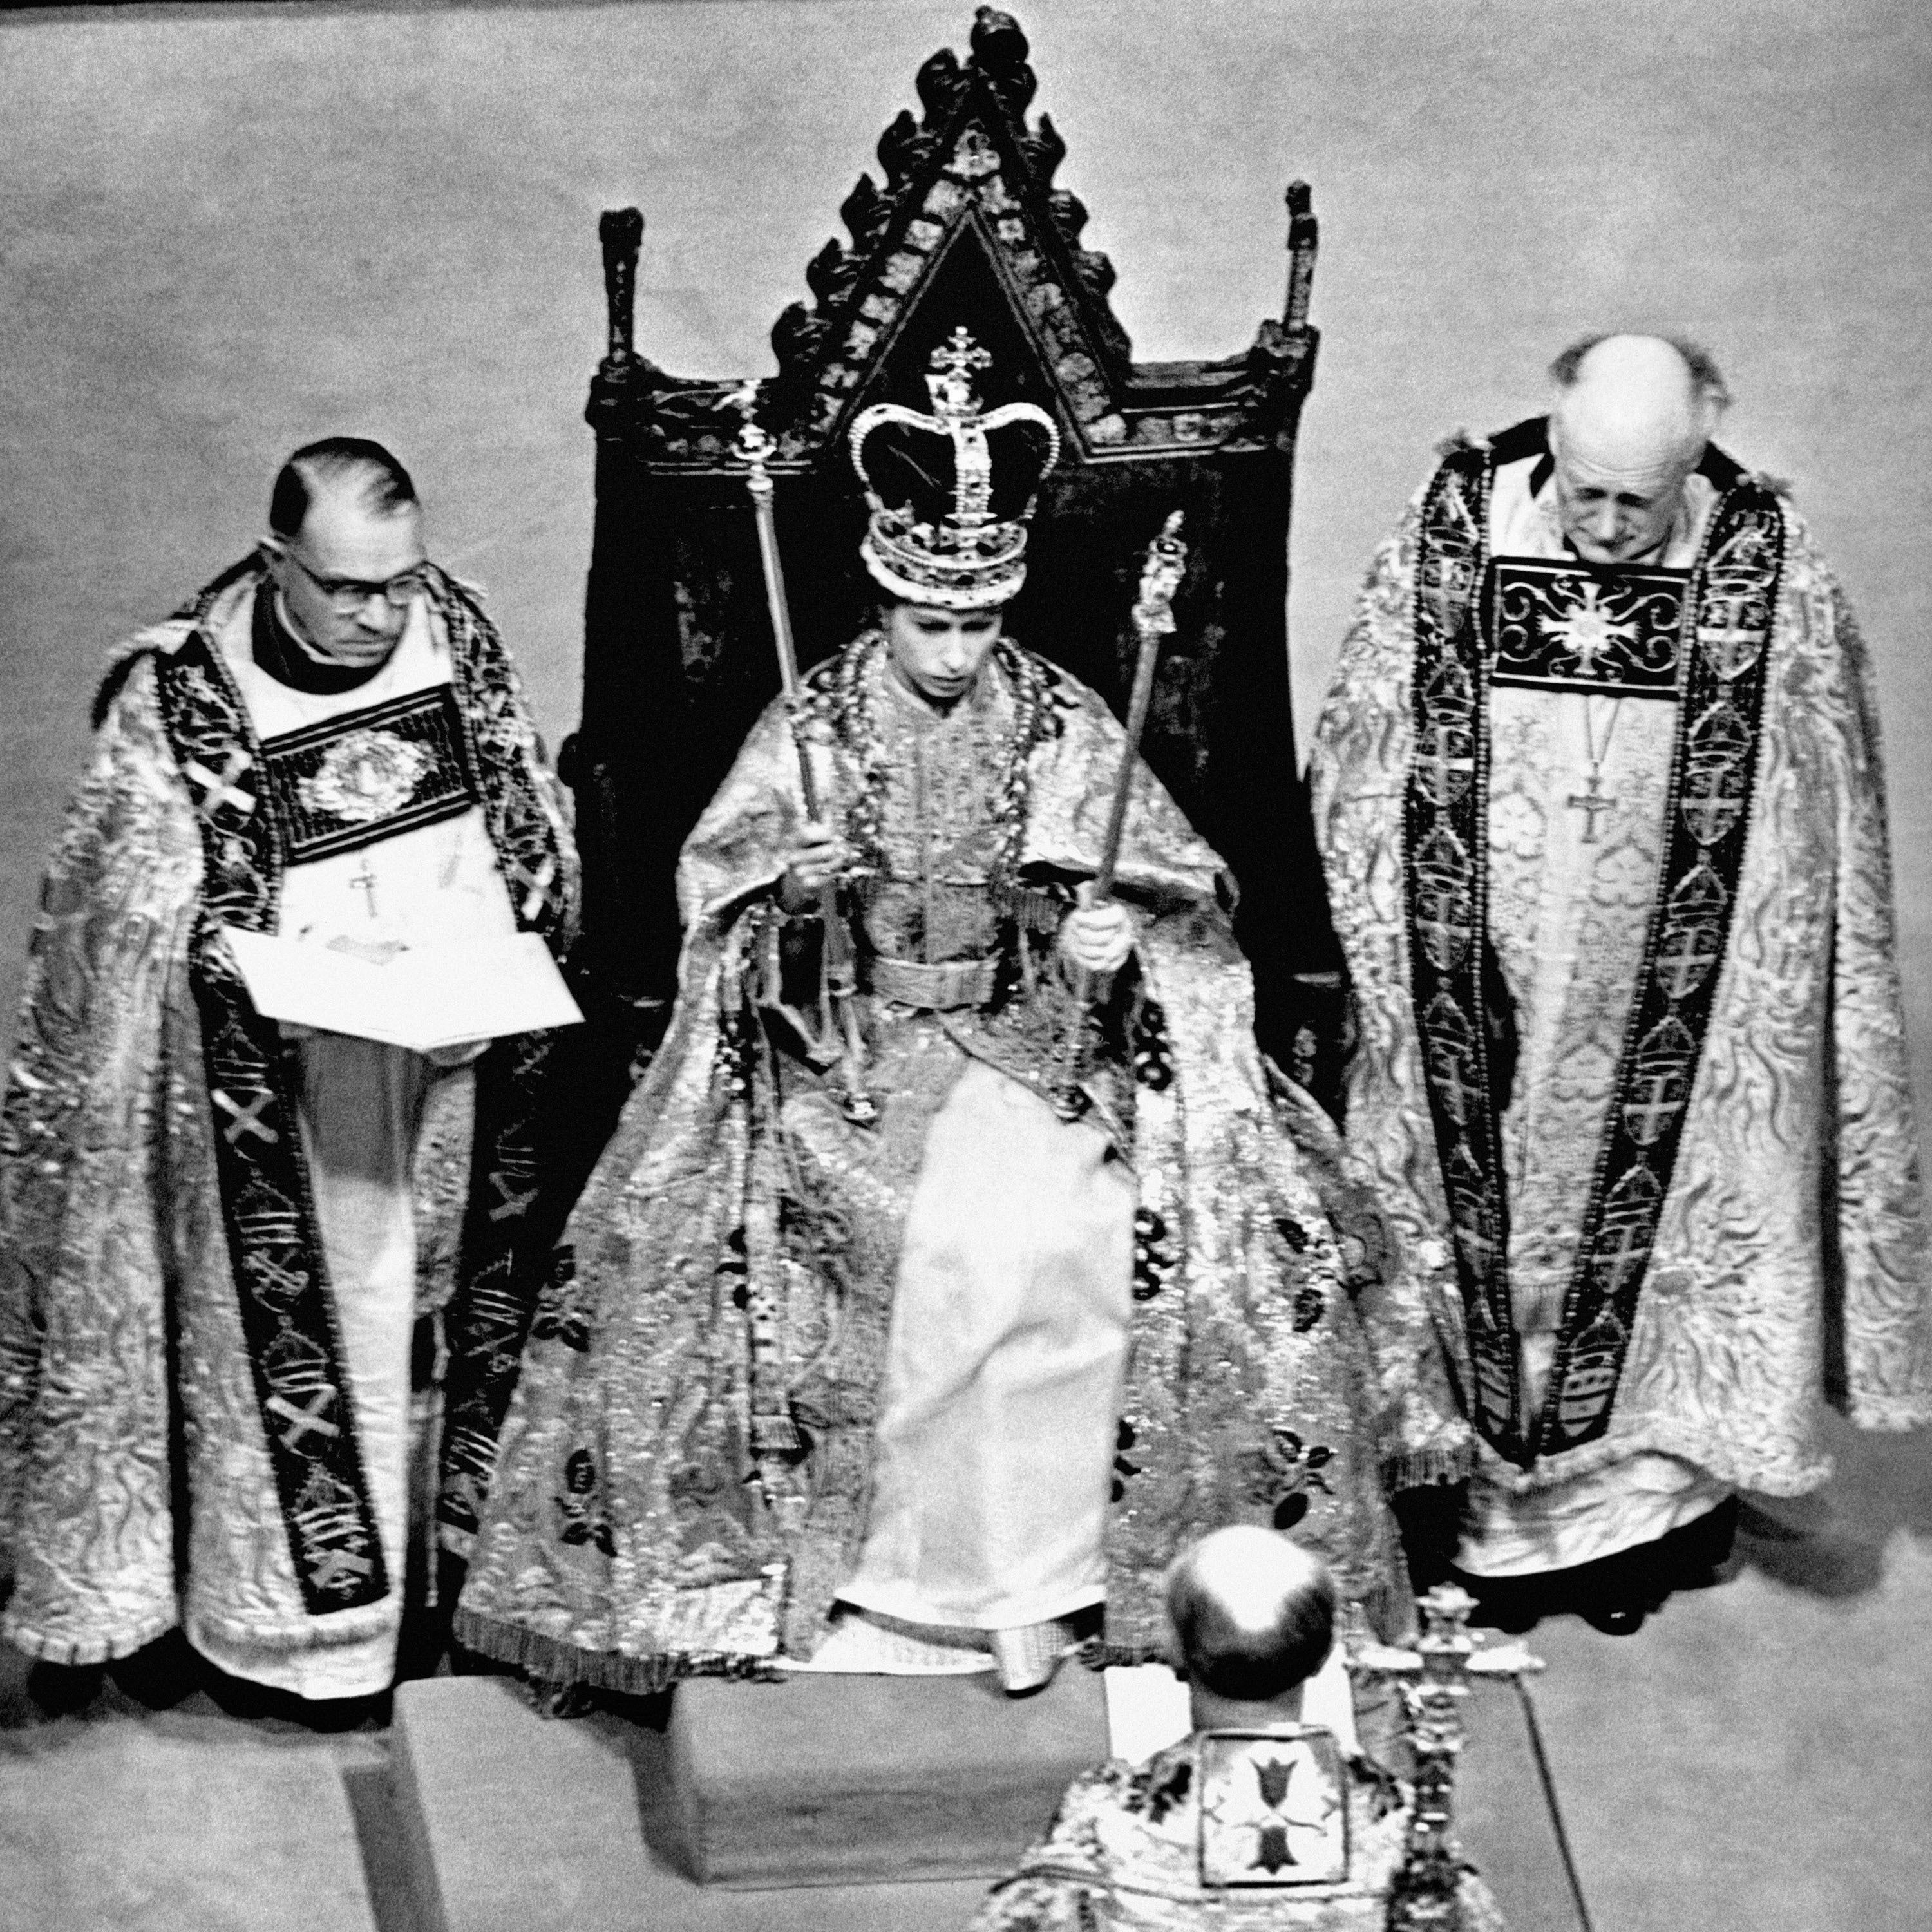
<point>348,595</point>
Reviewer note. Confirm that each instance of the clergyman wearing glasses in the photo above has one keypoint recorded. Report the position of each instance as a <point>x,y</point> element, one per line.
<point>259,1210</point>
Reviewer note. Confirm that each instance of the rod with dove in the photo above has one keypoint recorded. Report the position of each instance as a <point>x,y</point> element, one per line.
<point>755,447</point>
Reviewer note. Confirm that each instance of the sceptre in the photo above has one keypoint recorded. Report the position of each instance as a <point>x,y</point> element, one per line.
<point>1153,620</point>
<point>755,447</point>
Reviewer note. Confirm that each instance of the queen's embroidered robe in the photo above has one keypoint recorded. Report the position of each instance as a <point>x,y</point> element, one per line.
<point>181,1437</point>
<point>1687,1161</point>
<point>692,1464</point>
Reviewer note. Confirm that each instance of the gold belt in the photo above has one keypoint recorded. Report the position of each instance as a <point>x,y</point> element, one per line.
<point>952,983</point>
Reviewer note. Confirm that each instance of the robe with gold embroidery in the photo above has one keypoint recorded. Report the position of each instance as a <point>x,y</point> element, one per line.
<point>198,1290</point>
<point>785,1356</point>
<point>1650,1133</point>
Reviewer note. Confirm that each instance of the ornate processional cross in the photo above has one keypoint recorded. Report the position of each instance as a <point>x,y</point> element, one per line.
<point>1590,803</point>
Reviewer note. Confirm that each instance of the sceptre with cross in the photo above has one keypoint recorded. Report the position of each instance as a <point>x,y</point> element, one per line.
<point>1153,619</point>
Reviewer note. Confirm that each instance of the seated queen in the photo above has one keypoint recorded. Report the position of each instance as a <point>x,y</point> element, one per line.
<point>908,1335</point>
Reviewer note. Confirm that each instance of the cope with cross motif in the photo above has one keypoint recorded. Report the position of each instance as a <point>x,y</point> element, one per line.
<point>1588,630</point>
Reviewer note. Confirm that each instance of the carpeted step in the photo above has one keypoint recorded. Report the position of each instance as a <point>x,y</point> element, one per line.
<point>522,1823</point>
<point>117,1824</point>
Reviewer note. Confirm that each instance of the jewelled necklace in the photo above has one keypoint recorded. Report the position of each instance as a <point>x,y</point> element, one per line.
<point>854,713</point>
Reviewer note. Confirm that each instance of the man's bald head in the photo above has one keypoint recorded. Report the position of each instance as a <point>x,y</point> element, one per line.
<point>1252,1613</point>
<point>1633,417</point>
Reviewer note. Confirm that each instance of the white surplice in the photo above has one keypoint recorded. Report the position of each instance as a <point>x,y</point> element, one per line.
<point>1568,917</point>
<point>362,1106</point>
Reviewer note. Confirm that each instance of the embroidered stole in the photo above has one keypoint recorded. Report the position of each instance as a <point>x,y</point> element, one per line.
<point>363,776</point>
<point>1703,639</point>
<point>262,808</point>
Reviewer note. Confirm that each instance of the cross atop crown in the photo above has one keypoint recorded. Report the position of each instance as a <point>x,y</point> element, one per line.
<point>954,364</point>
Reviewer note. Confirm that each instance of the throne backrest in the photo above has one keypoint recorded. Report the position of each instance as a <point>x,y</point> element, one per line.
<point>966,227</point>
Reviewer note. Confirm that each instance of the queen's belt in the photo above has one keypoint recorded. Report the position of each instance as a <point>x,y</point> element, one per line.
<point>944,988</point>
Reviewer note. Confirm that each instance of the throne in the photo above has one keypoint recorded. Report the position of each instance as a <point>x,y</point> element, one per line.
<point>967,228</point>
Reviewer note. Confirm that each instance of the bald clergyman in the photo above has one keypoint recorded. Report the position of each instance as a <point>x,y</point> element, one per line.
<point>1599,792</point>
<point>1254,1822</point>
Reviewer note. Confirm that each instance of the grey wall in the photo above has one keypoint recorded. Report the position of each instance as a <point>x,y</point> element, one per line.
<point>224,230</point>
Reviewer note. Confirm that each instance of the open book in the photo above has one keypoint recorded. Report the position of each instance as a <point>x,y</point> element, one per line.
<point>424,998</point>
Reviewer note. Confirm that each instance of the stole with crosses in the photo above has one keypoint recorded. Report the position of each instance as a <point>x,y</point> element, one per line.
<point>1481,621</point>
<point>262,808</point>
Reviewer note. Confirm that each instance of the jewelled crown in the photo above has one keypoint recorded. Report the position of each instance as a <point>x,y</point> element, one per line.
<point>938,485</point>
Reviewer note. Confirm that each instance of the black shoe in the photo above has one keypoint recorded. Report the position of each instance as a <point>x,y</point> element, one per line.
<point>1615,1617</point>
<point>1695,1555</point>
<point>1510,1604</point>
<point>61,1690</point>
<point>158,1677</point>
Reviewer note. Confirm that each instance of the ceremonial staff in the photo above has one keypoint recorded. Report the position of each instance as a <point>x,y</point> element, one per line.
<point>755,447</point>
<point>1153,620</point>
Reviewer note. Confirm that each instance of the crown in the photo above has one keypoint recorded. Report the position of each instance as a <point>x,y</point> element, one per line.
<point>934,538</point>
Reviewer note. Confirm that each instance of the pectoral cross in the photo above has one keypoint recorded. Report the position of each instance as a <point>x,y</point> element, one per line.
<point>364,881</point>
<point>1590,803</point>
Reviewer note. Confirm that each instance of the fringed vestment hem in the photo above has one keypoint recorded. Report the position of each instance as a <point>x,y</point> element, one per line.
<point>1740,1464</point>
<point>1427,1469</point>
<point>97,1647</point>
<point>553,1660</point>
<point>1891,1415</point>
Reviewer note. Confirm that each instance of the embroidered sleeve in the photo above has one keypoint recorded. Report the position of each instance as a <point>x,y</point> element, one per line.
<point>81,1266</point>
<point>1874,1182</point>
<point>1356,775</point>
<point>1061,1885</point>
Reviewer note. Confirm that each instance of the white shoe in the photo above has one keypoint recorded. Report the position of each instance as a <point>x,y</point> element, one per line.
<point>863,1643</point>
<point>1028,1654</point>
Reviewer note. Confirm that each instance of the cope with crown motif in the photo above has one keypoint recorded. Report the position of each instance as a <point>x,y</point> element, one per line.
<point>966,558</point>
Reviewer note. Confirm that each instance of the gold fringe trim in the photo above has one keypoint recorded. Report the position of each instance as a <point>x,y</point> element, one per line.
<point>549,1660</point>
<point>1425,1468</point>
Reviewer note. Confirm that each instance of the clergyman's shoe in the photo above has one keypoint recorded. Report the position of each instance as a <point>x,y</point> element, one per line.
<point>1615,1616</point>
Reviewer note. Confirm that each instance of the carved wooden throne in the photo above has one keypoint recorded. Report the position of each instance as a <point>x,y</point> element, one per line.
<point>967,227</point>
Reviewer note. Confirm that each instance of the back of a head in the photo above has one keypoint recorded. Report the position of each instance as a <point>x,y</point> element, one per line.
<point>1253,1613</point>
<point>349,464</point>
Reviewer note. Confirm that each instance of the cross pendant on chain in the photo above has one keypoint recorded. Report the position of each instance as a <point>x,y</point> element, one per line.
<point>364,881</point>
<point>1590,803</point>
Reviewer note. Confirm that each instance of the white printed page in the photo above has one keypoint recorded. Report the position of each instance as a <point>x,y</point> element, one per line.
<point>422,997</point>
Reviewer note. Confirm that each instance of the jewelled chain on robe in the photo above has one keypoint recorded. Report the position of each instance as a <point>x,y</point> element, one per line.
<point>1469,630</point>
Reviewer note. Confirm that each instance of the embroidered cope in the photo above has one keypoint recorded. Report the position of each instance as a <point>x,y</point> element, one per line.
<point>1125,1849</point>
<point>217,1242</point>
<point>1638,1193</point>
